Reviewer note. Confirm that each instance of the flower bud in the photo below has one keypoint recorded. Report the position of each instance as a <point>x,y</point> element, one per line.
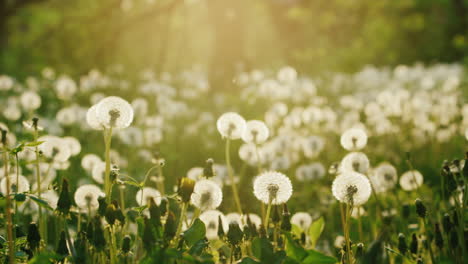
<point>208,170</point>
<point>414,244</point>
<point>439,240</point>
<point>99,241</point>
<point>155,214</point>
<point>402,246</point>
<point>170,227</point>
<point>420,208</point>
<point>275,216</point>
<point>110,214</point>
<point>163,206</point>
<point>62,248</point>
<point>148,235</point>
<point>185,189</point>
<point>33,238</point>
<point>446,223</point>
<point>4,137</point>
<point>126,244</point>
<point>286,221</point>
<point>102,205</point>
<point>359,250</point>
<point>64,202</point>
<point>234,234</point>
<point>220,228</point>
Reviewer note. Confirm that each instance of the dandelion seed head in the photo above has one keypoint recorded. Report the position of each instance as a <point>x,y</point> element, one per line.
<point>211,220</point>
<point>352,188</point>
<point>92,119</point>
<point>89,160</point>
<point>231,125</point>
<point>355,161</point>
<point>354,139</point>
<point>30,101</point>
<point>65,88</point>
<point>146,193</point>
<point>383,178</point>
<point>114,112</point>
<point>411,180</point>
<point>86,196</point>
<point>73,144</point>
<point>55,148</point>
<point>273,187</point>
<point>255,132</point>
<point>98,172</point>
<point>302,220</point>
<point>20,186</point>
<point>207,195</point>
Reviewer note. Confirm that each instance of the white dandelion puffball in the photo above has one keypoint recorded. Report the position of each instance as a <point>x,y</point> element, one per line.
<point>73,144</point>
<point>65,88</point>
<point>51,197</point>
<point>86,196</point>
<point>114,112</point>
<point>384,177</point>
<point>211,220</point>
<point>411,180</point>
<point>20,186</point>
<point>254,219</point>
<point>89,160</point>
<point>255,132</point>
<point>302,220</point>
<point>272,187</point>
<point>352,188</point>
<point>146,193</point>
<point>355,161</point>
<point>55,148</point>
<point>231,125</point>
<point>30,101</point>
<point>98,172</point>
<point>353,139</point>
<point>207,195</point>
<point>234,218</point>
<point>92,119</point>
<point>313,171</point>
<point>195,173</point>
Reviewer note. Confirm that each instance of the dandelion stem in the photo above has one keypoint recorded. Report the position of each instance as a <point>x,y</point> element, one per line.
<point>183,210</point>
<point>42,223</point>
<point>107,183</point>
<point>267,217</point>
<point>11,246</point>
<point>231,177</point>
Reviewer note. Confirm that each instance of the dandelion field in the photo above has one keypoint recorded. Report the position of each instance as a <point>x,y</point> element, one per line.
<point>289,168</point>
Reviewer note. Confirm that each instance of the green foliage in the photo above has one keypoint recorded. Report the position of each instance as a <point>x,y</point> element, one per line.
<point>195,233</point>
<point>315,230</point>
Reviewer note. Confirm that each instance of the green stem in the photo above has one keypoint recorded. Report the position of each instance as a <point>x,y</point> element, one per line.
<point>231,177</point>
<point>42,223</point>
<point>183,210</point>
<point>107,181</point>
<point>267,217</point>
<point>11,245</point>
<point>347,237</point>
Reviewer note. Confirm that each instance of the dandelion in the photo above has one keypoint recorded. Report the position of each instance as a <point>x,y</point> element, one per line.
<point>146,193</point>
<point>98,172</point>
<point>383,178</point>
<point>65,88</point>
<point>254,219</point>
<point>89,161</point>
<point>55,148</point>
<point>411,180</point>
<point>351,188</point>
<point>353,139</point>
<point>73,144</point>
<point>207,195</point>
<point>355,161</point>
<point>312,146</point>
<point>17,184</point>
<point>272,187</point>
<point>313,171</point>
<point>92,120</point>
<point>255,132</point>
<point>211,220</point>
<point>234,218</point>
<point>30,101</point>
<point>231,125</point>
<point>86,197</point>
<point>114,112</point>
<point>302,220</point>
<point>195,173</point>
<point>67,116</point>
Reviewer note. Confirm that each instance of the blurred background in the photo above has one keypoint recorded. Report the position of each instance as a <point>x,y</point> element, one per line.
<point>225,36</point>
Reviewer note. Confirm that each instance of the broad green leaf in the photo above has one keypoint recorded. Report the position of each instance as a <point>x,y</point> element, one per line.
<point>315,230</point>
<point>44,258</point>
<point>315,257</point>
<point>195,233</point>
<point>262,249</point>
<point>296,230</point>
<point>294,250</point>
<point>40,202</point>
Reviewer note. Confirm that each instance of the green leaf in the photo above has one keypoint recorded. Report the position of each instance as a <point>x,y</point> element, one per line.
<point>136,184</point>
<point>34,144</point>
<point>315,257</point>
<point>195,233</point>
<point>262,249</point>
<point>294,250</point>
<point>40,202</point>
<point>315,230</point>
